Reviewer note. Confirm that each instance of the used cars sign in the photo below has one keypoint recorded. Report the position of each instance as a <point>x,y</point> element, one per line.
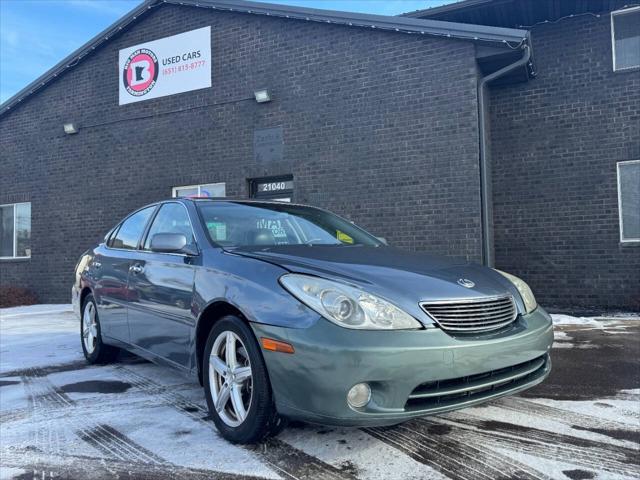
<point>176,64</point>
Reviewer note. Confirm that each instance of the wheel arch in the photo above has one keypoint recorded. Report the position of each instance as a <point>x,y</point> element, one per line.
<point>83,295</point>
<point>211,314</point>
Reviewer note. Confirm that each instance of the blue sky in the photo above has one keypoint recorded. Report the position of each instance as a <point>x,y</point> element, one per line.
<point>37,34</point>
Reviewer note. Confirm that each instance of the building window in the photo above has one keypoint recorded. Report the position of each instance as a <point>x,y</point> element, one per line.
<point>625,38</point>
<point>629,200</point>
<point>206,190</point>
<point>15,230</point>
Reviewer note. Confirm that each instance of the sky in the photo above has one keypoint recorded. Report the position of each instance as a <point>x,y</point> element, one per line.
<point>37,34</point>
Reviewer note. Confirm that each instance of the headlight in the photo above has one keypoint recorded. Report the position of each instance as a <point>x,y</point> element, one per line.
<point>347,306</point>
<point>529,300</point>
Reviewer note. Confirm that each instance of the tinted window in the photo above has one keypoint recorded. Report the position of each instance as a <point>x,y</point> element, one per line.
<point>172,218</point>
<point>238,225</point>
<point>131,229</point>
<point>111,236</point>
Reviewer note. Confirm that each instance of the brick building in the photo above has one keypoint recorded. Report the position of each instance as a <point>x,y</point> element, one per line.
<point>558,144</point>
<point>385,120</point>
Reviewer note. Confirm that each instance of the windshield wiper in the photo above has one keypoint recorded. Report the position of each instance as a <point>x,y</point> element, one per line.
<point>311,244</point>
<point>311,241</point>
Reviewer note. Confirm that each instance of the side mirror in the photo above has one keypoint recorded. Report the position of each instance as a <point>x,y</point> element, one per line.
<point>383,240</point>
<point>168,243</point>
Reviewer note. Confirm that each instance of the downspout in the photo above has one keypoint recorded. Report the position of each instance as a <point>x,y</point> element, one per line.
<point>487,251</point>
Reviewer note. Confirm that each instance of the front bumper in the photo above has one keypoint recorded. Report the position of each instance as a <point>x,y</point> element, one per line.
<point>403,368</point>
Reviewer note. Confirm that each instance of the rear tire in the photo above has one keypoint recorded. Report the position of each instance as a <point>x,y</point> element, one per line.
<point>95,351</point>
<point>236,381</point>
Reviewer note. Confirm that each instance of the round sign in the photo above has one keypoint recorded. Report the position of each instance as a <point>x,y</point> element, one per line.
<point>140,72</point>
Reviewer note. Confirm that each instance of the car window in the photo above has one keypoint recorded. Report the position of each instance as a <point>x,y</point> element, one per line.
<point>111,236</point>
<point>131,229</point>
<point>241,225</point>
<point>171,218</point>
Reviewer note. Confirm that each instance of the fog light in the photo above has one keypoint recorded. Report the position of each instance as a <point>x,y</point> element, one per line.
<point>359,395</point>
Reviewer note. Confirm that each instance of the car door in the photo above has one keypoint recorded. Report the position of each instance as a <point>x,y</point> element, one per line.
<point>110,270</point>
<point>160,319</point>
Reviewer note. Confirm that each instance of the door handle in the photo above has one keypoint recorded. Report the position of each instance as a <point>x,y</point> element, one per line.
<point>136,268</point>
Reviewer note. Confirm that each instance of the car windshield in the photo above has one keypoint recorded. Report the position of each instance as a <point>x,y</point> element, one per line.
<point>232,224</point>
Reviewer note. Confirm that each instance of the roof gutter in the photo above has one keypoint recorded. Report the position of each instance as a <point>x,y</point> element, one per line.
<point>487,250</point>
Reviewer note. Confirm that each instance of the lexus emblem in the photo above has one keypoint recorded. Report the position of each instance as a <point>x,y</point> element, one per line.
<point>465,282</point>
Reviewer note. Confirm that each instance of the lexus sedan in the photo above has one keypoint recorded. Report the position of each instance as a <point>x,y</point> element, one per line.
<point>286,311</point>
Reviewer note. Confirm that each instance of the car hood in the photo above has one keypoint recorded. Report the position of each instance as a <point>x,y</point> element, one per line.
<point>405,278</point>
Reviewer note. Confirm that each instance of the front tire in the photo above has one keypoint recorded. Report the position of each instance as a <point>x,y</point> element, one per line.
<point>95,351</point>
<point>236,383</point>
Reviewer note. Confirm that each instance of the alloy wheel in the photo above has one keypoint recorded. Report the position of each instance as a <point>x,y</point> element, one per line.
<point>230,378</point>
<point>89,327</point>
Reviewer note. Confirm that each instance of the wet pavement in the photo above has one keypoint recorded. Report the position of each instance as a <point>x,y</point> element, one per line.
<point>63,419</point>
<point>592,362</point>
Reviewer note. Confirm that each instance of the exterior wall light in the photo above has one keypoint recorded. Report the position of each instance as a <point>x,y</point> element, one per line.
<point>262,96</point>
<point>70,128</point>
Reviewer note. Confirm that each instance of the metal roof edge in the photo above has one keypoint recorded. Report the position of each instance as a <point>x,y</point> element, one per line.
<point>449,7</point>
<point>478,33</point>
<point>367,20</point>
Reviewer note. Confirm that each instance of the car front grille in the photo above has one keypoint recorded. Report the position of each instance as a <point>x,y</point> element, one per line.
<point>447,394</point>
<point>473,315</point>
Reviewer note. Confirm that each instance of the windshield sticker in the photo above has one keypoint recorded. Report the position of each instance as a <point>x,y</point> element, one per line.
<point>217,230</point>
<point>274,225</point>
<point>343,237</point>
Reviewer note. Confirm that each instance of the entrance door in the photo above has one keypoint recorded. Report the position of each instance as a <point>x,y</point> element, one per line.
<point>272,188</point>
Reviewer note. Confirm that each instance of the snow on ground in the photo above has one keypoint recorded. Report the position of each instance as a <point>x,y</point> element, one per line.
<point>55,342</point>
<point>60,418</point>
<point>31,310</point>
<point>617,320</point>
<point>616,324</point>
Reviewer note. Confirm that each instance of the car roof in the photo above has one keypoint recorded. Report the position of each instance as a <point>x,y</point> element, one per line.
<point>237,200</point>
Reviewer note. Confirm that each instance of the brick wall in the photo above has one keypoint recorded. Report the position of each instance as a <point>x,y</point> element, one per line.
<point>378,126</point>
<point>555,144</point>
